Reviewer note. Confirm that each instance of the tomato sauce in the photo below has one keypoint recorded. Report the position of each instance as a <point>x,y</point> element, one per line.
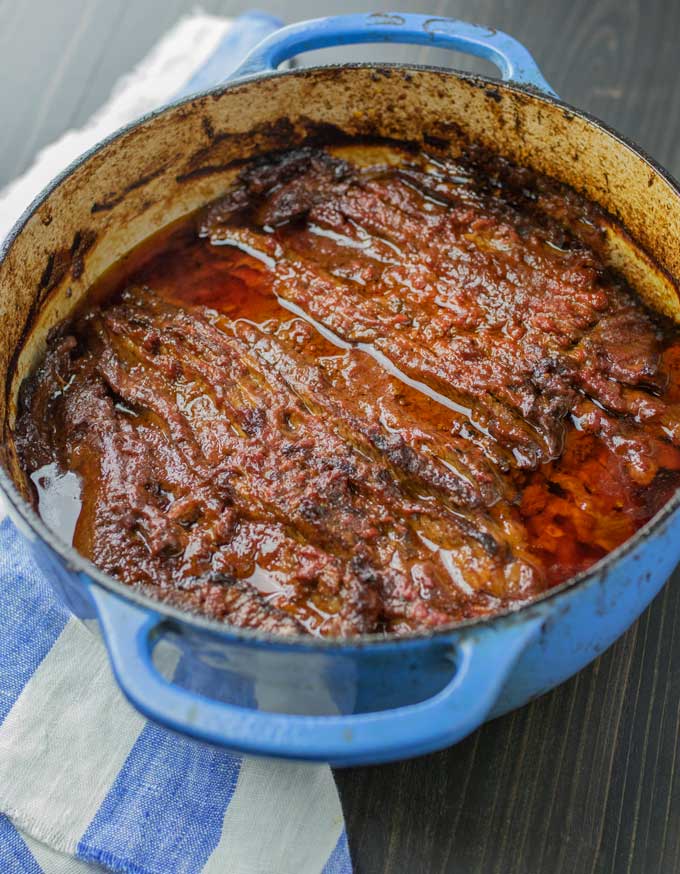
<point>367,390</point>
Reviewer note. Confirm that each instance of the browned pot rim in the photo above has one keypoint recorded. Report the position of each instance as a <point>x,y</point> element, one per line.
<point>554,598</point>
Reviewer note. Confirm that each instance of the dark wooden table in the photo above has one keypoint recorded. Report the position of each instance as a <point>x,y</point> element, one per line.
<point>584,779</point>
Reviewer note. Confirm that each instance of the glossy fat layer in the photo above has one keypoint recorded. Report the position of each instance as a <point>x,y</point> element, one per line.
<point>374,392</point>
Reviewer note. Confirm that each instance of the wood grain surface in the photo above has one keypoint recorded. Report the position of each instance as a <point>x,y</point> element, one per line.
<point>586,779</point>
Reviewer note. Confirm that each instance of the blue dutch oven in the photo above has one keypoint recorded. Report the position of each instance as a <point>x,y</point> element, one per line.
<point>367,699</point>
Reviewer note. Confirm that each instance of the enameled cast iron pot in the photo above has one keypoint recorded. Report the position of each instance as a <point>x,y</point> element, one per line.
<point>368,699</point>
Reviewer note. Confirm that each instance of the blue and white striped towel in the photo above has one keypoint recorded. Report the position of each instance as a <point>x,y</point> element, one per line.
<point>86,784</point>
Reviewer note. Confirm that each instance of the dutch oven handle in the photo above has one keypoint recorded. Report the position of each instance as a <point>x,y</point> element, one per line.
<point>481,667</point>
<point>512,59</point>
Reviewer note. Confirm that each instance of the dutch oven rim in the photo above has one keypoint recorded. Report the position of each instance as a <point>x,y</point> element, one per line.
<point>77,563</point>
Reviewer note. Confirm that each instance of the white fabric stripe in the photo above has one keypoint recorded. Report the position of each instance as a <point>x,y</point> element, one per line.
<point>284,817</point>
<point>171,64</point>
<point>165,655</point>
<point>92,625</point>
<point>311,697</point>
<point>64,741</point>
<point>52,862</point>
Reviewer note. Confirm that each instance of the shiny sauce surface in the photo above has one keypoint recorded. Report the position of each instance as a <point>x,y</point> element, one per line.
<point>370,389</point>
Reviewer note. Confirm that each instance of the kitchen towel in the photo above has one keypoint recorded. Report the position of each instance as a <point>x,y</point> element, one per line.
<point>87,784</point>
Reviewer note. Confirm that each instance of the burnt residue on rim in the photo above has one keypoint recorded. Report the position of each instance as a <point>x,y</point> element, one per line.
<point>58,265</point>
<point>113,199</point>
<point>268,137</point>
<point>315,135</point>
<point>62,261</point>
